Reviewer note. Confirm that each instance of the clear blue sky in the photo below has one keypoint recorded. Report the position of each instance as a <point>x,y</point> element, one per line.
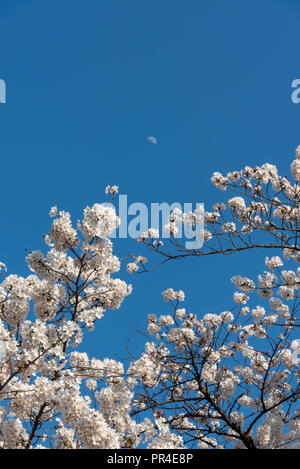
<point>89,81</point>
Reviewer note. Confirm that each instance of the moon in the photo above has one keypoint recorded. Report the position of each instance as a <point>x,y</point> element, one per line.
<point>152,140</point>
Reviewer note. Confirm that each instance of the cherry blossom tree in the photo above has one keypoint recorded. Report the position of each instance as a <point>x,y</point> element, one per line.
<point>231,380</point>
<point>224,380</point>
<point>227,380</point>
<point>53,396</point>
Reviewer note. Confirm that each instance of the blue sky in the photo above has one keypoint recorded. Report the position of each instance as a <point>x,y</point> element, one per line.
<point>89,81</point>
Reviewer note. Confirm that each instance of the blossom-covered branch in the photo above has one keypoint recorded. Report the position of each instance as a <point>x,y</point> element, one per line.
<point>262,211</point>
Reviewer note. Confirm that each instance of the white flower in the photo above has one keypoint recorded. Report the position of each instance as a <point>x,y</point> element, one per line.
<point>112,190</point>
<point>229,227</point>
<point>180,313</point>
<point>240,298</point>
<point>243,283</point>
<point>132,267</point>
<point>237,204</point>
<point>295,170</point>
<point>219,181</point>
<point>99,221</point>
<point>227,316</point>
<point>258,312</point>
<point>274,262</point>
<point>170,295</point>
